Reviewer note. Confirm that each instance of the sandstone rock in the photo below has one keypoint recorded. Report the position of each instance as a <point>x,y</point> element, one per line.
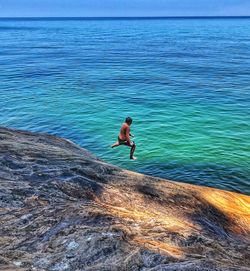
<point>63,209</point>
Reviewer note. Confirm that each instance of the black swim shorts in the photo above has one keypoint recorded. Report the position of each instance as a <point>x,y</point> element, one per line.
<point>124,142</point>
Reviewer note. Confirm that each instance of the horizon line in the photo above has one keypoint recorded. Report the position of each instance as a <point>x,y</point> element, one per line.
<point>126,17</point>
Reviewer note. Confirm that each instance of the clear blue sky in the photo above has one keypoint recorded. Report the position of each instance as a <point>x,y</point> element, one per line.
<point>88,8</point>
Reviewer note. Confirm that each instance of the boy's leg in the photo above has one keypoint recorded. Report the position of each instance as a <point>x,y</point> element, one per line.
<point>133,146</point>
<point>116,144</point>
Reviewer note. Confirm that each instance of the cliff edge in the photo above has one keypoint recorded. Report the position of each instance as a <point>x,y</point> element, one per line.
<point>63,209</point>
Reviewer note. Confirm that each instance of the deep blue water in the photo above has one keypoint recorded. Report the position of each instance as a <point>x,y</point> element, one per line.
<point>185,82</point>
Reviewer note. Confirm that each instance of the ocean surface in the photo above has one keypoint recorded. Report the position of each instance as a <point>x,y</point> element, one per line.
<point>185,83</point>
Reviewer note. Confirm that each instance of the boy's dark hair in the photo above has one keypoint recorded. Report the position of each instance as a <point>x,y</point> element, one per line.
<point>128,120</point>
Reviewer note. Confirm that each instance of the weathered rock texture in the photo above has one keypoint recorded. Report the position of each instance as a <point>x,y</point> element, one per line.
<point>63,209</point>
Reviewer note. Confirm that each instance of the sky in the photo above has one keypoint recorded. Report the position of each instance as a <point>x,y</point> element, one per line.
<point>123,8</point>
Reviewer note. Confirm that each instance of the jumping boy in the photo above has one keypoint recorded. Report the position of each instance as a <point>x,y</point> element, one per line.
<point>124,138</point>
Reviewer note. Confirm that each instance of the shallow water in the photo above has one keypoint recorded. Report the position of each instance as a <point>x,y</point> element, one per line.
<point>185,82</point>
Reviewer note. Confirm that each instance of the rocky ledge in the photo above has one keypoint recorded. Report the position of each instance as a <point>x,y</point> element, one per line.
<point>63,209</point>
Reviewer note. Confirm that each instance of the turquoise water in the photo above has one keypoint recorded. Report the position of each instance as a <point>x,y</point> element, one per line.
<point>185,82</point>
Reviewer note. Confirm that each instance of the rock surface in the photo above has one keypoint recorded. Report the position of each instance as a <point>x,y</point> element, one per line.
<point>63,209</point>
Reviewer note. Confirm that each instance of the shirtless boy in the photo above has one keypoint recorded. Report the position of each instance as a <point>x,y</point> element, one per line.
<point>124,137</point>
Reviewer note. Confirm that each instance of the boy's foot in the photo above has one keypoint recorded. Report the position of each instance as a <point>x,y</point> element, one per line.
<point>133,158</point>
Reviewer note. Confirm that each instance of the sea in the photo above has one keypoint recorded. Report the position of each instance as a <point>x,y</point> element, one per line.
<point>184,81</point>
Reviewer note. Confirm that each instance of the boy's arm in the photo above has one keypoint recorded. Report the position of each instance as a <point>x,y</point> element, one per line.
<point>128,135</point>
